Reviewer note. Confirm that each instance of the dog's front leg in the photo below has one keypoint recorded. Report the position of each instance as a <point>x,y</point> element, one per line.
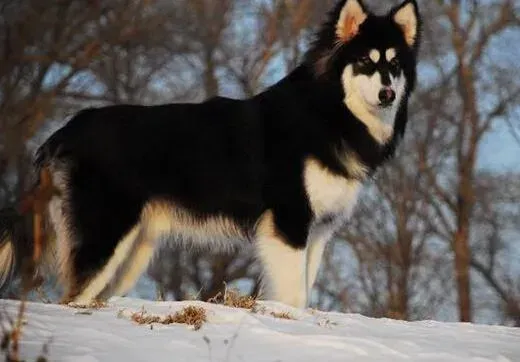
<point>285,276</point>
<point>315,248</point>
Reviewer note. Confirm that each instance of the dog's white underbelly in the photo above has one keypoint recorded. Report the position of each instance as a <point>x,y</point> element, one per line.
<point>329,194</point>
<point>180,226</point>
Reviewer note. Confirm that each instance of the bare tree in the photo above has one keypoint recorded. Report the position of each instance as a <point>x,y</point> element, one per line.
<point>473,28</point>
<point>47,54</point>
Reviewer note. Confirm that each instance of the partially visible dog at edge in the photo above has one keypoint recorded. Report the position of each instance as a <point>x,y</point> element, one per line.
<point>281,170</point>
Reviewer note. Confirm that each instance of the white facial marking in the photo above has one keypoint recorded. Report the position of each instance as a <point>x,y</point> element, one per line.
<point>374,55</point>
<point>390,54</point>
<point>369,86</point>
<point>362,99</point>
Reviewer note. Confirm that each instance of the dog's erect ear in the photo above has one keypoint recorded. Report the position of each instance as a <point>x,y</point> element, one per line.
<point>351,17</point>
<point>406,16</point>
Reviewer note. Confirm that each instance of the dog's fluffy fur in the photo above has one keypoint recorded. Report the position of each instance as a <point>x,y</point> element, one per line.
<point>282,169</point>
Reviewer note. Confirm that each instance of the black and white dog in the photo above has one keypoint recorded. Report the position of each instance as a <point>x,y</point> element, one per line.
<point>281,170</point>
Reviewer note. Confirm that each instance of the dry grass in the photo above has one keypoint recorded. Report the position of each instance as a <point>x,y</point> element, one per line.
<point>232,298</point>
<point>194,316</point>
<point>190,315</point>
<point>92,305</point>
<point>281,315</point>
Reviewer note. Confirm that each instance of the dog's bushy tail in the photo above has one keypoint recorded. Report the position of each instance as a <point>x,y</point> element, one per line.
<point>15,248</point>
<point>23,240</point>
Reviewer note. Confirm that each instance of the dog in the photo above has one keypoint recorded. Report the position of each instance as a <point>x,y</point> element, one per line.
<point>281,170</point>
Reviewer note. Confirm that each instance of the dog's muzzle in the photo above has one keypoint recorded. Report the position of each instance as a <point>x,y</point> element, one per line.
<point>386,97</point>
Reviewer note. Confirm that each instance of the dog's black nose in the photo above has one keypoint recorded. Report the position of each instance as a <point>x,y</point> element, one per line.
<point>386,96</point>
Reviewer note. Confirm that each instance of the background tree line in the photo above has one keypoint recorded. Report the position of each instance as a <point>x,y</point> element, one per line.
<point>435,234</point>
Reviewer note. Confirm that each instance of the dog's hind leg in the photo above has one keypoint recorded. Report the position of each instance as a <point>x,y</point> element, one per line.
<point>93,288</point>
<point>134,266</point>
<point>131,257</point>
<point>154,224</point>
<point>104,218</point>
<point>285,274</point>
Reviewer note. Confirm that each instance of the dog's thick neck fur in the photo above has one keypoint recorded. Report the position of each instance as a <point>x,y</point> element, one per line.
<point>323,101</point>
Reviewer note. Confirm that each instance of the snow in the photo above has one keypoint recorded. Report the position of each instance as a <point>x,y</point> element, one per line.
<point>231,334</point>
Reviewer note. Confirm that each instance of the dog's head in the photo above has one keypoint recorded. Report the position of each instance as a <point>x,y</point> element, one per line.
<point>374,57</point>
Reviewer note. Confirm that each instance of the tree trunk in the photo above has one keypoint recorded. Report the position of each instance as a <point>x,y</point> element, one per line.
<point>404,276</point>
<point>462,265</point>
<point>467,145</point>
<point>211,86</point>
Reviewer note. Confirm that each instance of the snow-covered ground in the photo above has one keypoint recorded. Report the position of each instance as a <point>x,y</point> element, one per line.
<point>109,334</point>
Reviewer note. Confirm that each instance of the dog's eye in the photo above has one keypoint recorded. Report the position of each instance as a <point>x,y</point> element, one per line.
<point>365,60</point>
<point>394,63</point>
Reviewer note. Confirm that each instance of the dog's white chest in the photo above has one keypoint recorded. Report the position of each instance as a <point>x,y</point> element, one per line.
<point>329,193</point>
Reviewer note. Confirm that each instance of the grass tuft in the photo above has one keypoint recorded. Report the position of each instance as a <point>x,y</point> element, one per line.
<point>190,315</point>
<point>233,298</point>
